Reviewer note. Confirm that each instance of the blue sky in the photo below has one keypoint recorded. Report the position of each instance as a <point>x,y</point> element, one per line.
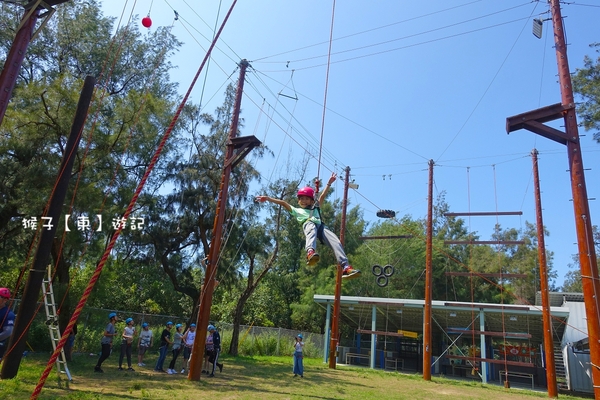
<point>408,82</point>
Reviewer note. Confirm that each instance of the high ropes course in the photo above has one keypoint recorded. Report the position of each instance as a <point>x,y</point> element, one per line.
<point>472,357</point>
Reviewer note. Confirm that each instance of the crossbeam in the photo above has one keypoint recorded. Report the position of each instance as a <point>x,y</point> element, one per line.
<point>492,306</point>
<point>381,333</point>
<point>516,335</point>
<point>514,242</point>
<point>487,275</point>
<point>376,303</point>
<point>492,361</point>
<point>385,237</point>
<point>482,213</point>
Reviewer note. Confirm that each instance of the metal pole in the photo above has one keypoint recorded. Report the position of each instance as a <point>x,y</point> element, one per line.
<point>31,294</point>
<point>213,258</point>
<point>546,317</point>
<point>583,223</point>
<point>15,58</point>
<point>335,328</point>
<point>428,282</point>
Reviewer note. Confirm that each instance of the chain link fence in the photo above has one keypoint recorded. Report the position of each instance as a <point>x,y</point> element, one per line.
<point>265,341</point>
<point>253,340</point>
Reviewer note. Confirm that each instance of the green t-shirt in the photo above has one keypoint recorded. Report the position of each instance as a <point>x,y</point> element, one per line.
<point>306,214</point>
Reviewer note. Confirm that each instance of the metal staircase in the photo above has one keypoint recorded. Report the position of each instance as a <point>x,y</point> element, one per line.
<point>52,322</point>
<point>559,363</point>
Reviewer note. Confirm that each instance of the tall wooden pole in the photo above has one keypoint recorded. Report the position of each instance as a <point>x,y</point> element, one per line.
<point>335,320</point>
<point>547,322</point>
<point>31,294</point>
<point>428,281</point>
<point>585,241</point>
<point>215,245</point>
<point>15,58</point>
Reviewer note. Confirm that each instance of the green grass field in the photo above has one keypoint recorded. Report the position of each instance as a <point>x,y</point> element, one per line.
<point>246,378</point>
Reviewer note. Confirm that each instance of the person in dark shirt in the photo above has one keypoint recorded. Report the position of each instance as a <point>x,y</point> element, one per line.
<point>165,341</point>
<point>213,356</point>
<point>107,341</point>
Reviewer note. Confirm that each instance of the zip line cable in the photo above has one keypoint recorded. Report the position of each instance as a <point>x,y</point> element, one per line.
<point>185,25</point>
<point>350,120</point>
<point>208,63</point>
<point>406,46</point>
<point>308,137</point>
<point>460,130</point>
<point>369,46</point>
<point>362,32</point>
<point>317,183</point>
<point>117,233</point>
<point>193,26</point>
<point>306,150</point>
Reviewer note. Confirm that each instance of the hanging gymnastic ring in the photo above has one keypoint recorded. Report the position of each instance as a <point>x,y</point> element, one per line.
<point>382,281</point>
<point>388,270</point>
<point>377,270</point>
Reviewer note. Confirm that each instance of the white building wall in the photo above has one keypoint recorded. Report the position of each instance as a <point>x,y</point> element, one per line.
<point>578,368</point>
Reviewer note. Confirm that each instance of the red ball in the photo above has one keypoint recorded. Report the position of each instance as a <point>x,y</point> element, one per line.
<point>147,22</point>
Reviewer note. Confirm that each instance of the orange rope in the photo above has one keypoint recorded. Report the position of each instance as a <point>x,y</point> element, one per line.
<point>100,266</point>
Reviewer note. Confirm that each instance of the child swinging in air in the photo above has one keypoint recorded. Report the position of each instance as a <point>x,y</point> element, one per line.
<point>309,215</point>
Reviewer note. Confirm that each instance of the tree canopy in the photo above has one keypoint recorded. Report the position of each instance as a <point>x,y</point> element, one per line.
<point>586,84</point>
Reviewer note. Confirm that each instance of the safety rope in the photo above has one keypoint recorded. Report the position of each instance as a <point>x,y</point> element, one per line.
<point>317,182</point>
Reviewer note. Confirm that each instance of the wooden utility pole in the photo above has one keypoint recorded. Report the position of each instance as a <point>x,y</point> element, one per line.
<point>534,121</point>
<point>25,33</point>
<point>335,321</point>
<point>31,294</point>
<point>546,317</point>
<point>428,281</point>
<point>243,145</point>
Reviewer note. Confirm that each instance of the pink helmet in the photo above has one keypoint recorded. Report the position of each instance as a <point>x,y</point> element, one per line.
<point>307,191</point>
<point>4,292</point>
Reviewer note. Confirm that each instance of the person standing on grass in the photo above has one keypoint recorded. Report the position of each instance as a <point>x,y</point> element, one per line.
<point>144,343</point>
<point>298,357</point>
<point>188,343</point>
<point>106,341</point>
<point>165,341</point>
<point>208,350</point>
<point>214,355</point>
<point>68,348</point>
<point>176,349</point>
<point>126,344</point>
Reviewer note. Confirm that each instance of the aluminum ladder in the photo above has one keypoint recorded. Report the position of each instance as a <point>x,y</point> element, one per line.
<point>52,322</point>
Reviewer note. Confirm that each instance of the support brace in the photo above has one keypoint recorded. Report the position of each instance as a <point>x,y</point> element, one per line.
<point>534,121</point>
